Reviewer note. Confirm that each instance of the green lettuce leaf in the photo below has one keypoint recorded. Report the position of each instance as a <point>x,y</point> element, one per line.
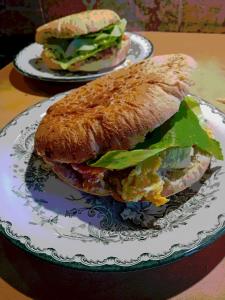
<point>83,55</point>
<point>176,158</point>
<point>182,130</point>
<point>70,51</point>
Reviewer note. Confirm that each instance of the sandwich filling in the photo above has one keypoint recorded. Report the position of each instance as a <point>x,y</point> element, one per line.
<point>67,52</point>
<point>143,172</point>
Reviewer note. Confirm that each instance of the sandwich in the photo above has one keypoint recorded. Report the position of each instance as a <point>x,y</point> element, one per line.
<point>89,41</point>
<point>134,134</point>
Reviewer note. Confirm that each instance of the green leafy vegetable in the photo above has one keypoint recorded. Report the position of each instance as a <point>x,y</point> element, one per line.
<point>101,36</point>
<point>80,44</point>
<point>70,51</point>
<point>182,130</point>
<point>116,31</point>
<point>176,158</point>
<point>82,56</point>
<point>121,159</point>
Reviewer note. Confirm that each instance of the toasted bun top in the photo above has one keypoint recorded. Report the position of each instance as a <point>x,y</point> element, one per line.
<point>113,111</point>
<point>76,24</point>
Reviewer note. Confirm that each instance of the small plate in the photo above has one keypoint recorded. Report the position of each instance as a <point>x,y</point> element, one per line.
<point>50,219</point>
<point>28,62</point>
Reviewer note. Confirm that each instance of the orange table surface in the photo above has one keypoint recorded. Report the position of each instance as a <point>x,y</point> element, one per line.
<point>201,276</point>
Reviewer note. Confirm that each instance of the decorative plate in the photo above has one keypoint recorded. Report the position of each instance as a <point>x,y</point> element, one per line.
<point>50,219</point>
<point>28,62</point>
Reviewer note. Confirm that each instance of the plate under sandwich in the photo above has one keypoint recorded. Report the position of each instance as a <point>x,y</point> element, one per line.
<point>50,219</point>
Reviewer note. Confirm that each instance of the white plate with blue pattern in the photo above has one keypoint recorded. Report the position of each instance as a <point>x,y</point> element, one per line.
<point>28,62</point>
<point>50,219</point>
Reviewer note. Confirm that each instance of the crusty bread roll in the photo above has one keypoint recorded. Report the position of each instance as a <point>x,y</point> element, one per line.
<point>106,59</point>
<point>114,111</point>
<point>76,24</point>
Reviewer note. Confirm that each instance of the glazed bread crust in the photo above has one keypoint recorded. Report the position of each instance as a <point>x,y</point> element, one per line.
<point>76,24</point>
<point>92,65</point>
<point>114,111</point>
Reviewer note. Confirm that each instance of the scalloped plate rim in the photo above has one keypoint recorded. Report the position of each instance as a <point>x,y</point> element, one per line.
<point>150,263</point>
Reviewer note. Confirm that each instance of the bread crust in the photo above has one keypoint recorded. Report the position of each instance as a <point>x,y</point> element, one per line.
<point>116,57</point>
<point>113,111</point>
<point>76,24</point>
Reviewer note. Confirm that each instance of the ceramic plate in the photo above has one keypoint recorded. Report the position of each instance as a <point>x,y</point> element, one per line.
<point>43,215</point>
<point>28,62</point>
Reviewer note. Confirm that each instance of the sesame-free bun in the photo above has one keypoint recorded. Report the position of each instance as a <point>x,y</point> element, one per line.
<point>114,111</point>
<point>76,24</point>
<point>106,59</point>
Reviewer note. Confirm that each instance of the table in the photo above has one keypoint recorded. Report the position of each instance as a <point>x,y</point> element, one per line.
<point>201,276</point>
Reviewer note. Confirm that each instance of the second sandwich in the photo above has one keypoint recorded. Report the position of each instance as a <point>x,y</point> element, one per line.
<point>89,41</point>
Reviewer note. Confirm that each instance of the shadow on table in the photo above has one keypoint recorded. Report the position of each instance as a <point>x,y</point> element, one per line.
<point>39,87</point>
<point>42,280</point>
